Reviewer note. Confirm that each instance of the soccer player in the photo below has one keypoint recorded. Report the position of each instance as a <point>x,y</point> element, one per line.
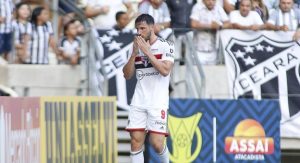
<point>152,59</point>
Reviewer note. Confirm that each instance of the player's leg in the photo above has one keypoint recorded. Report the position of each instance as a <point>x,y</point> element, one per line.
<point>137,146</point>
<point>157,126</point>
<point>157,141</point>
<point>136,126</point>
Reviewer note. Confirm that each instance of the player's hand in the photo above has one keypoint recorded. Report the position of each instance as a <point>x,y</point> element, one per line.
<point>143,45</point>
<point>135,47</point>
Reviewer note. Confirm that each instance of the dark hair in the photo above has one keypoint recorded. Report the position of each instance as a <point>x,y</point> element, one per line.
<point>145,18</point>
<point>119,14</point>
<point>18,6</point>
<point>67,25</point>
<point>35,13</point>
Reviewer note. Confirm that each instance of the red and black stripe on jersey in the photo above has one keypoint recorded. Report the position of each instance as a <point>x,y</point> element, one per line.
<point>143,61</point>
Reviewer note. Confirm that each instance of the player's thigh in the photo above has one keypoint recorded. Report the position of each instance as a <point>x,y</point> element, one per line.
<point>157,121</point>
<point>157,141</point>
<point>137,119</point>
<point>137,139</point>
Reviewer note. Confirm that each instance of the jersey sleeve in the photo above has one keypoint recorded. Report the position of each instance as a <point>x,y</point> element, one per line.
<point>169,52</point>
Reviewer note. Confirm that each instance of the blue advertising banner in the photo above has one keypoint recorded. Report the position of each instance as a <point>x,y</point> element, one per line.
<point>222,131</point>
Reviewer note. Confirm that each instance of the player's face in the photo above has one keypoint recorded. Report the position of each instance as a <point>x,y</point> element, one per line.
<point>144,30</point>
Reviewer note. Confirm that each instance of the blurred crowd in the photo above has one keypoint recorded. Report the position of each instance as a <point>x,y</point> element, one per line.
<point>26,28</point>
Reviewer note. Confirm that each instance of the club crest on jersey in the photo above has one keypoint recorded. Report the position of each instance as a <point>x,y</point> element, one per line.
<point>145,60</point>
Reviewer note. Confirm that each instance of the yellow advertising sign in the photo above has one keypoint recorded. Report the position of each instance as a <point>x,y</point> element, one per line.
<point>78,130</point>
<point>182,131</point>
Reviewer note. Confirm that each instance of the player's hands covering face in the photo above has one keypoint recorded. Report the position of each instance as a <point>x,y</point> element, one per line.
<point>143,45</point>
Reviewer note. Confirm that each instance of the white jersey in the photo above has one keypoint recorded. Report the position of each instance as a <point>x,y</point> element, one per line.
<point>152,88</point>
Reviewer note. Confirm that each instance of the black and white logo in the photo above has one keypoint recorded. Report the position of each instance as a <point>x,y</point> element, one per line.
<point>266,68</point>
<point>145,60</point>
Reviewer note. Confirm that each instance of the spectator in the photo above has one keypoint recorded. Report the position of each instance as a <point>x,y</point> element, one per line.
<point>122,20</point>
<point>22,32</point>
<point>158,9</point>
<point>297,4</point>
<point>272,5</point>
<point>285,18</point>
<point>261,9</point>
<point>79,27</point>
<point>180,12</point>
<point>42,35</point>
<point>104,11</point>
<point>69,45</point>
<point>206,18</point>
<point>244,18</point>
<point>6,11</point>
<point>231,5</point>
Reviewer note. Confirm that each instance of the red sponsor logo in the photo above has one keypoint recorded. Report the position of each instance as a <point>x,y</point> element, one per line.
<point>243,145</point>
<point>249,138</point>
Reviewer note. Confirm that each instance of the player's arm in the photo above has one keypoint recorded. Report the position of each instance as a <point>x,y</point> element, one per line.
<point>163,67</point>
<point>129,69</point>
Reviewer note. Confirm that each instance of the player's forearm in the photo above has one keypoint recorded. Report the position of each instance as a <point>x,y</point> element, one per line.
<point>163,67</point>
<point>129,68</point>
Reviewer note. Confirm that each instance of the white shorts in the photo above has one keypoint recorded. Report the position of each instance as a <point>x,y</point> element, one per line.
<point>149,119</point>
